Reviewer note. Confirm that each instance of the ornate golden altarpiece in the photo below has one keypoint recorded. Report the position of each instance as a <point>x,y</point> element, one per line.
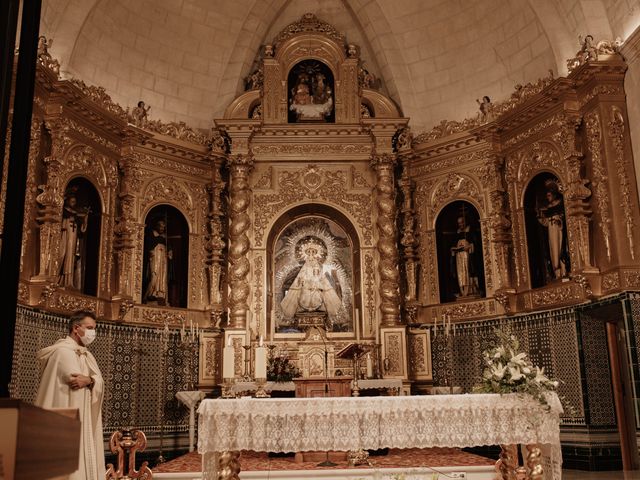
<point>238,185</point>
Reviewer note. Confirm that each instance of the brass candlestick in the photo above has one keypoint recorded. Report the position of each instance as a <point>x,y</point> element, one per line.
<point>247,364</point>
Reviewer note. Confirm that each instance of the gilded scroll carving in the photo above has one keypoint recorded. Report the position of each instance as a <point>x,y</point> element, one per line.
<point>456,186</point>
<point>387,249</point>
<point>417,354</point>
<point>369,284</point>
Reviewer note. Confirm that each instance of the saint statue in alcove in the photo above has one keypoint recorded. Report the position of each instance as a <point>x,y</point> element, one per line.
<point>464,254</point>
<point>551,216</point>
<point>546,230</point>
<point>74,226</point>
<point>158,267</point>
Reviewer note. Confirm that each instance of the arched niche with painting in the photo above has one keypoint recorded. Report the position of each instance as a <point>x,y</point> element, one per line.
<point>79,252</point>
<point>459,247</point>
<point>166,258</point>
<point>546,228</point>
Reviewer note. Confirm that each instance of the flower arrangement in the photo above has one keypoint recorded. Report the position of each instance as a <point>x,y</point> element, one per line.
<point>508,370</point>
<point>280,369</point>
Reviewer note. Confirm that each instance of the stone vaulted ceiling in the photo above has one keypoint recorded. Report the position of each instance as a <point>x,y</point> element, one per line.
<point>188,58</point>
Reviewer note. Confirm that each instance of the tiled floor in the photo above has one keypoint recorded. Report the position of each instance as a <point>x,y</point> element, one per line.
<point>580,475</point>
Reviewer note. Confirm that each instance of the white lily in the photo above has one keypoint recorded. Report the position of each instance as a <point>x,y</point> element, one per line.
<point>516,374</point>
<point>498,371</point>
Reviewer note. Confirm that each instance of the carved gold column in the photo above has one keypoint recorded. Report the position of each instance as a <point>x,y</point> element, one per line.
<point>576,196</point>
<point>215,243</point>
<point>126,228</point>
<point>240,166</point>
<point>501,232</point>
<point>50,201</point>
<point>383,165</point>
<point>29,201</point>
<point>408,241</point>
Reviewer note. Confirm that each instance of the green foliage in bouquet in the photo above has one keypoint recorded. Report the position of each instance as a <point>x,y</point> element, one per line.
<point>508,370</point>
<point>280,369</point>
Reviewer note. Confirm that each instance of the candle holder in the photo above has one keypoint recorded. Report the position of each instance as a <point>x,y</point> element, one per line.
<point>261,392</point>
<point>378,358</point>
<point>247,364</point>
<point>227,388</point>
<point>190,341</point>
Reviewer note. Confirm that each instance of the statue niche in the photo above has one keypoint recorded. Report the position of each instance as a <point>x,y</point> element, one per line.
<point>166,258</point>
<point>311,93</point>
<point>80,237</point>
<point>546,230</point>
<point>313,277</point>
<point>460,259</point>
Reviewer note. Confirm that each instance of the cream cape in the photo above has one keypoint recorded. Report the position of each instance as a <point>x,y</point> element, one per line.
<point>57,363</point>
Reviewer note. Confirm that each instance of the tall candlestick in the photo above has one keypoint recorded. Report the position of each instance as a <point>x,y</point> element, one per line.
<point>261,363</point>
<point>228,361</point>
<point>369,366</point>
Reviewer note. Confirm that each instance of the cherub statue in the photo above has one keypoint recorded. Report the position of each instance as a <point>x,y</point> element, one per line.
<point>139,114</point>
<point>486,109</point>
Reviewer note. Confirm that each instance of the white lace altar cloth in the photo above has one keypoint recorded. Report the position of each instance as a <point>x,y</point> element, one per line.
<point>353,423</point>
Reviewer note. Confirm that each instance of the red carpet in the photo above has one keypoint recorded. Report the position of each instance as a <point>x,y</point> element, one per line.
<point>413,457</point>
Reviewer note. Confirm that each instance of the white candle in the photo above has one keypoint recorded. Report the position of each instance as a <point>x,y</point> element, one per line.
<point>191,327</point>
<point>261,363</point>
<point>260,343</point>
<point>228,361</point>
<point>357,314</point>
<point>369,366</point>
<point>229,341</point>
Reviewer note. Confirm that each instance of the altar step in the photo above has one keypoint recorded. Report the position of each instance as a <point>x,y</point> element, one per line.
<point>418,473</point>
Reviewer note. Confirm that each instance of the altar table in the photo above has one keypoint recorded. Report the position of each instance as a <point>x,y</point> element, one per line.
<point>352,423</point>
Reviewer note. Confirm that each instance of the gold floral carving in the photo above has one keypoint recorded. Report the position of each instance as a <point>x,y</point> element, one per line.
<point>158,316</point>
<point>591,53</point>
<point>486,247</point>
<point>387,248</point>
<point>454,186</point>
<point>258,265</point>
<point>394,353</point>
<point>552,296</point>
<point>210,357</point>
<point>466,310</point>
<point>178,130</point>
<point>23,294</point>
<point>99,96</point>
<point>520,95</point>
<point>632,279</point>
<point>600,178</point>
<point>601,90</point>
<point>369,281</point>
<point>311,148</point>
<point>616,133</point>
<point>31,189</point>
<point>71,303</point>
<point>167,189</point>
<point>312,183</point>
<point>90,134</point>
<point>358,179</point>
<point>152,160</point>
<point>458,160</point>
<point>537,128</point>
<point>264,182</point>
<point>309,23</point>
<point>611,281</point>
<point>417,354</point>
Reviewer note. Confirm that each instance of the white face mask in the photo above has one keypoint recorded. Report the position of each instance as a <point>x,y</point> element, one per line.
<point>89,337</point>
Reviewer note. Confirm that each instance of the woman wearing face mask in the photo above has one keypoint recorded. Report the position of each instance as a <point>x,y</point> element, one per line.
<point>70,378</point>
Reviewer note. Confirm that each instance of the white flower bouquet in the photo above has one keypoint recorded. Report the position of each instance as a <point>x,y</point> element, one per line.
<point>508,370</point>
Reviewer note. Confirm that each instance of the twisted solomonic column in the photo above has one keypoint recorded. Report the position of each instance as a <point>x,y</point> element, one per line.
<point>239,222</point>
<point>387,245</point>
